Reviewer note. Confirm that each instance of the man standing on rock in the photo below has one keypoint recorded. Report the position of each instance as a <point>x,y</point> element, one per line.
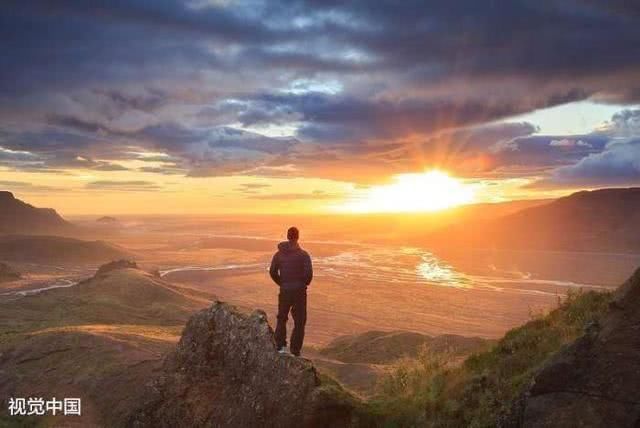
<point>291,269</point>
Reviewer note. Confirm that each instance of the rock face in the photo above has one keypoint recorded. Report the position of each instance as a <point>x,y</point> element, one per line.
<point>595,382</point>
<point>226,372</point>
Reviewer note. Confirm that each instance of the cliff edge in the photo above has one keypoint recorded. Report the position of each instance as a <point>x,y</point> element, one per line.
<point>226,372</point>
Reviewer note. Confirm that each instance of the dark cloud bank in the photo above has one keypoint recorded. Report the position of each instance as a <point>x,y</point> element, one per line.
<point>364,88</point>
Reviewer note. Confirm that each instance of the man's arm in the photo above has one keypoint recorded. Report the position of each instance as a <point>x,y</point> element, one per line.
<point>308,269</point>
<point>274,270</point>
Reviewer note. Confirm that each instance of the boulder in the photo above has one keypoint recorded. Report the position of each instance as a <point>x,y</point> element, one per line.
<point>226,372</point>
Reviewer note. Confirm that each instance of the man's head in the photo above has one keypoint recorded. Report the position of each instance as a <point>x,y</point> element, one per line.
<point>293,234</point>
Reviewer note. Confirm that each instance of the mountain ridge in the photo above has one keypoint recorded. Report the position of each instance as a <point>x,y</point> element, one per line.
<point>598,220</point>
<point>17,216</point>
<point>61,249</point>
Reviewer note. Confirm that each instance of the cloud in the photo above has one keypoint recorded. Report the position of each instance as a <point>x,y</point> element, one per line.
<point>214,151</point>
<point>421,42</point>
<point>569,143</point>
<point>624,124</point>
<point>16,155</point>
<point>353,90</point>
<point>251,188</point>
<point>50,148</point>
<point>618,164</point>
<point>255,185</point>
<point>164,170</point>
<point>422,45</point>
<point>473,149</point>
<point>124,186</point>
<point>610,156</point>
<point>206,142</point>
<point>332,118</point>
<point>315,195</point>
<point>26,187</point>
<point>196,151</point>
<point>548,150</point>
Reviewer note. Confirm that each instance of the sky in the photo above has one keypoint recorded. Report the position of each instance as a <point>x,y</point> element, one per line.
<point>225,106</point>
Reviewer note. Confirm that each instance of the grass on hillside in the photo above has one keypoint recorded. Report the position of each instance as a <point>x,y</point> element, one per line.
<point>431,392</point>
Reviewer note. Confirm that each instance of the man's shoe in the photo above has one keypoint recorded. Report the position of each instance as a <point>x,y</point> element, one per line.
<point>283,351</point>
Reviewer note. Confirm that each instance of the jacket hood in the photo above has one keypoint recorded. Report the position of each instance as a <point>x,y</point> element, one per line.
<point>286,247</point>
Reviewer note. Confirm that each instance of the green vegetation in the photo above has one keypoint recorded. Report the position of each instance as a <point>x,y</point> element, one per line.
<point>431,391</point>
<point>384,347</point>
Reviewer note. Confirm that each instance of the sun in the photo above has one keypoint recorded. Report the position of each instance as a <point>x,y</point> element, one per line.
<point>421,192</point>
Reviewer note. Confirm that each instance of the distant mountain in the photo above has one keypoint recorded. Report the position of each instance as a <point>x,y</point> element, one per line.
<point>108,220</point>
<point>19,217</point>
<point>57,249</point>
<point>599,220</point>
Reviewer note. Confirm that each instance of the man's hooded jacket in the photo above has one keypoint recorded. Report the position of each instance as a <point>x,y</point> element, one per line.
<point>291,266</point>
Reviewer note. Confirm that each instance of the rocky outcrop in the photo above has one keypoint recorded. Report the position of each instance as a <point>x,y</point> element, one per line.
<point>595,382</point>
<point>226,372</point>
<point>116,265</point>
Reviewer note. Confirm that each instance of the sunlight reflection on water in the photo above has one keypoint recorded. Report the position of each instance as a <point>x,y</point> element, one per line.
<point>433,270</point>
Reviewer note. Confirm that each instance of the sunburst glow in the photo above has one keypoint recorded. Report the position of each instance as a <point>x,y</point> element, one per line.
<point>429,191</point>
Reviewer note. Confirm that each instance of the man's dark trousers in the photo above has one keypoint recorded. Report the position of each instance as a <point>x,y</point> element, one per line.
<point>295,301</point>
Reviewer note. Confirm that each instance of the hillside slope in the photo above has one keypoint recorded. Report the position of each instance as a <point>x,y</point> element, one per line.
<point>383,347</point>
<point>599,220</point>
<point>57,249</point>
<point>19,217</point>
<point>120,296</point>
<point>576,366</point>
<point>595,381</point>
<point>101,340</point>
<point>360,361</point>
